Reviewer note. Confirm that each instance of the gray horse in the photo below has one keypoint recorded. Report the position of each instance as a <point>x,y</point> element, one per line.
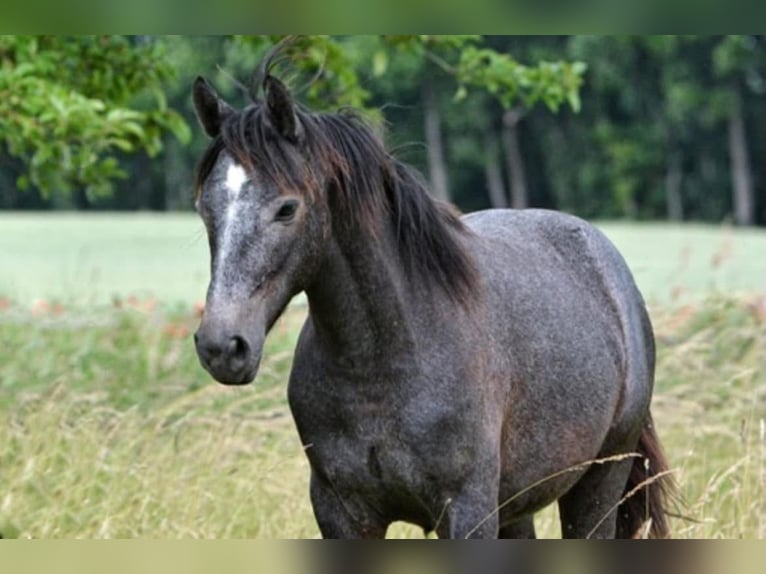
<point>459,373</point>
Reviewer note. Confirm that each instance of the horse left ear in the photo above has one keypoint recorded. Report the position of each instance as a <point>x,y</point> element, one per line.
<point>210,108</point>
<point>282,109</point>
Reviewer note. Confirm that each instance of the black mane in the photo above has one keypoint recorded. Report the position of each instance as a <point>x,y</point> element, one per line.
<point>365,183</point>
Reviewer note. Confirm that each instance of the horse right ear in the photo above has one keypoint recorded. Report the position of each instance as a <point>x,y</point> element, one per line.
<point>210,108</point>
<point>282,109</point>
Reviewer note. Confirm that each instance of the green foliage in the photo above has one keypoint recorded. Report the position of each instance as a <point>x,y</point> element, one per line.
<point>69,107</point>
<point>651,102</point>
<point>72,107</point>
<point>737,54</point>
<point>334,70</point>
<point>499,74</point>
<point>75,111</point>
<point>323,61</point>
<point>552,83</point>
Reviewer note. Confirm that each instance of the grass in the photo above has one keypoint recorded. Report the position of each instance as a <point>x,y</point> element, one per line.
<point>111,429</point>
<point>710,408</point>
<point>676,264</point>
<point>88,259</point>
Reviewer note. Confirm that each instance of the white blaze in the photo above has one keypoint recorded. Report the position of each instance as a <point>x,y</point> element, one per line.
<point>235,181</point>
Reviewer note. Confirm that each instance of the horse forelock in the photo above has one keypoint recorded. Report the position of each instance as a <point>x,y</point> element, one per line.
<point>253,142</point>
<point>341,155</point>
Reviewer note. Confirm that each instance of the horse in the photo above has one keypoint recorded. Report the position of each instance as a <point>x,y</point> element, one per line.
<point>456,372</point>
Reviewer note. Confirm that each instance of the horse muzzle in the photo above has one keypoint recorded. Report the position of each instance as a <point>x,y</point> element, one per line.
<point>230,359</point>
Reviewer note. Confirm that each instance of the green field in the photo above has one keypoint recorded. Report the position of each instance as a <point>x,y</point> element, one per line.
<point>111,429</point>
<point>88,259</point>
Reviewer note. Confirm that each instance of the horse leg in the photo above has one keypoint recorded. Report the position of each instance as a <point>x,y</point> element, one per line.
<point>520,528</point>
<point>469,517</point>
<point>588,509</point>
<point>335,519</point>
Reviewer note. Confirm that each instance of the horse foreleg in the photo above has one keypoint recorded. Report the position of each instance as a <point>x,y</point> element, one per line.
<point>339,520</point>
<point>469,517</point>
<point>521,528</point>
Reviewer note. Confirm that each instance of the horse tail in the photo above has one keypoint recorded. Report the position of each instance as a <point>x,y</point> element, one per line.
<point>647,495</point>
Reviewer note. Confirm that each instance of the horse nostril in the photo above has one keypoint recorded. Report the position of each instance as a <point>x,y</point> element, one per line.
<point>238,348</point>
<point>196,339</point>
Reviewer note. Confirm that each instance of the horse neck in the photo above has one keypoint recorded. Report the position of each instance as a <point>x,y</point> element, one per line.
<point>360,298</point>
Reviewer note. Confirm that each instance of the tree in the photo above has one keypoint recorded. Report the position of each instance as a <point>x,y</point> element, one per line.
<point>69,106</point>
<point>739,63</point>
<point>483,79</point>
<point>658,134</point>
<point>72,107</point>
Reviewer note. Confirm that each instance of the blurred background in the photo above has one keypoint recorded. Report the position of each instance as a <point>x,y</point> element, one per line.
<point>110,426</point>
<point>664,128</point>
<point>656,130</point>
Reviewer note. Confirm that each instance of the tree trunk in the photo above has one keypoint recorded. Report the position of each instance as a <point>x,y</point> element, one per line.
<point>741,178</point>
<point>512,144</point>
<point>673,180</point>
<point>156,192</point>
<point>492,171</point>
<point>436,166</point>
<point>81,199</point>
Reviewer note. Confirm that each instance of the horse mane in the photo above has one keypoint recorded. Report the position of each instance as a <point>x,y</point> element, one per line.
<point>365,186</point>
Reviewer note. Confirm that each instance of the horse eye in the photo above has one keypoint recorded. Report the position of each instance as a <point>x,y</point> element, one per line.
<point>287,211</point>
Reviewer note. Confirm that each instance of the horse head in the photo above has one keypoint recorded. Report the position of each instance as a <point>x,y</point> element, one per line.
<point>256,194</point>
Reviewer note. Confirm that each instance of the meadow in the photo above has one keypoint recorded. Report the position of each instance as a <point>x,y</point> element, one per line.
<point>88,259</point>
<point>110,428</point>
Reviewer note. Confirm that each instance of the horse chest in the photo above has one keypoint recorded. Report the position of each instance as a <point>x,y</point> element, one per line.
<point>395,455</point>
<point>377,473</point>
<point>359,442</point>
<point>352,459</point>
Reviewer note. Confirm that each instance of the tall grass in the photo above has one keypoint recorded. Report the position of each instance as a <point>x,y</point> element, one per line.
<point>710,408</point>
<point>111,429</point>
<point>129,438</point>
<point>75,467</point>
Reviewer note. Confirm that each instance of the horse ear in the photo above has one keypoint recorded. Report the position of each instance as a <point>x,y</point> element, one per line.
<point>282,109</point>
<point>210,108</point>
